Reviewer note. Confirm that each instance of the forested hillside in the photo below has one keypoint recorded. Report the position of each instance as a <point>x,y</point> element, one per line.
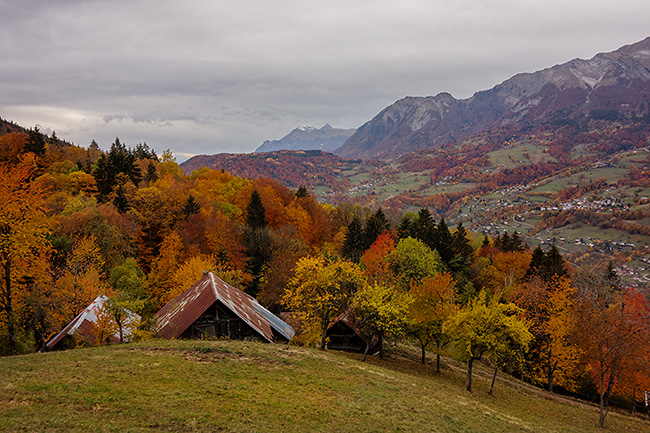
<point>128,223</point>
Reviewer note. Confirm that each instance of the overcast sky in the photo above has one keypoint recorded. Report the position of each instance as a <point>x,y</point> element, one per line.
<point>204,77</point>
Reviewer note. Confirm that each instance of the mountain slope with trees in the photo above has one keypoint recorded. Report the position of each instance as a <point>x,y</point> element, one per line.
<point>609,86</point>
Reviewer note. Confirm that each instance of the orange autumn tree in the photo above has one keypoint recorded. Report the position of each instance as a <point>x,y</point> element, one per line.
<point>433,303</point>
<point>23,227</point>
<point>549,309</point>
<point>376,260</point>
<point>80,280</point>
<point>612,322</point>
<point>635,372</point>
<point>11,146</point>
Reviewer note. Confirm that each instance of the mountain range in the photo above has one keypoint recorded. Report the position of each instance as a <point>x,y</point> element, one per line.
<point>309,138</point>
<point>610,87</point>
<point>607,86</point>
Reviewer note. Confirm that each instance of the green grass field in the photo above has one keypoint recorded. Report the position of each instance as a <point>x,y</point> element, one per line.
<point>515,156</point>
<point>201,386</point>
<point>610,174</point>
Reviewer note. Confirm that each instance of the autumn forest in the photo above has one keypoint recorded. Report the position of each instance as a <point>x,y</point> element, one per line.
<point>127,223</point>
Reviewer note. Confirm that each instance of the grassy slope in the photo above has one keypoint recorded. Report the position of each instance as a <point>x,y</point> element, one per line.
<point>251,387</point>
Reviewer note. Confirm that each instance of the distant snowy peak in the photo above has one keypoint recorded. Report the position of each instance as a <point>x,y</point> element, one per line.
<point>307,137</point>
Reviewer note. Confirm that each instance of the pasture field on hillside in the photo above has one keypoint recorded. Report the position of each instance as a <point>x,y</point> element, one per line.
<point>231,386</point>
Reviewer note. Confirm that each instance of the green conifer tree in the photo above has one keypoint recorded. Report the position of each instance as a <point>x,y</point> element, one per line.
<point>354,243</point>
<point>375,226</point>
<point>191,207</point>
<point>255,212</point>
<point>443,241</point>
<point>425,228</point>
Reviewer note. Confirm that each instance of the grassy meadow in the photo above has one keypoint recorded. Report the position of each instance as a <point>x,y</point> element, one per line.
<point>231,386</point>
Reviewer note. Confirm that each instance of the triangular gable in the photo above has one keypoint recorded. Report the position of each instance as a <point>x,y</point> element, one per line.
<point>349,319</point>
<point>181,312</point>
<point>86,320</point>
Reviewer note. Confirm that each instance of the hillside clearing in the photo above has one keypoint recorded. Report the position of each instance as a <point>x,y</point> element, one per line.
<point>203,386</point>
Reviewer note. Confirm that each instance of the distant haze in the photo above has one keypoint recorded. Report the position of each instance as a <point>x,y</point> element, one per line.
<point>207,77</point>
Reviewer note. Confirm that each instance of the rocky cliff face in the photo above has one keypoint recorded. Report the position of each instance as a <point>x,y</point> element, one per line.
<point>616,83</point>
<point>309,138</point>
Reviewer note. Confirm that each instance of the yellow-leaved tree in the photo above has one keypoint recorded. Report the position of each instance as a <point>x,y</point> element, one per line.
<point>433,303</point>
<point>320,290</point>
<point>381,310</point>
<point>486,327</point>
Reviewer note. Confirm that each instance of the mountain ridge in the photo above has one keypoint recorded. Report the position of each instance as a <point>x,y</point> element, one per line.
<point>306,137</point>
<point>616,81</point>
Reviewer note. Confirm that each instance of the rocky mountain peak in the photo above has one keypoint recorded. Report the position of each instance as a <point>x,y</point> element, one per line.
<point>616,81</point>
<point>306,137</point>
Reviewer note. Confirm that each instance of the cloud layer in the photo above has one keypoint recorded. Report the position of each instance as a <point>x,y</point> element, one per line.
<point>210,77</point>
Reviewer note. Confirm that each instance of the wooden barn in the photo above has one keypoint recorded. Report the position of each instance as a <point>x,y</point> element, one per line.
<point>83,327</point>
<point>214,309</point>
<point>344,334</point>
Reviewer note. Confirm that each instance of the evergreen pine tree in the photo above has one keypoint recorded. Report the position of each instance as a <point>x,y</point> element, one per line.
<point>191,207</point>
<point>443,241</point>
<point>302,192</point>
<point>461,245</point>
<point>375,226</point>
<point>255,212</point>
<point>536,265</point>
<point>462,252</point>
<point>506,242</point>
<point>35,143</point>
<point>118,160</point>
<point>354,243</point>
<point>553,264</point>
<point>152,174</point>
<point>516,243</point>
<point>405,228</point>
<point>120,201</point>
<point>486,242</point>
<point>424,228</point>
<point>259,241</point>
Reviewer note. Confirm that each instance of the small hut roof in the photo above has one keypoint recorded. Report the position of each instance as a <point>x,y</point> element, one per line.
<point>349,319</point>
<point>85,321</point>
<point>178,314</point>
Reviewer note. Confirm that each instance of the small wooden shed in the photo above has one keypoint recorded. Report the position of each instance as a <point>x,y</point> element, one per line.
<point>344,334</point>
<point>213,308</point>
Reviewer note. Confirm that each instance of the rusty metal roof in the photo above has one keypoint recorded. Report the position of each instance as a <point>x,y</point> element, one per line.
<point>178,314</point>
<point>85,322</point>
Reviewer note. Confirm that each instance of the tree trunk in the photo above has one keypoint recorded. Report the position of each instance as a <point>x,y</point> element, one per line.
<point>323,337</point>
<point>549,373</point>
<point>424,354</point>
<point>494,376</point>
<point>634,398</point>
<point>468,384</point>
<point>365,352</point>
<point>604,396</point>
<point>8,307</point>
<point>381,346</point>
<point>438,357</point>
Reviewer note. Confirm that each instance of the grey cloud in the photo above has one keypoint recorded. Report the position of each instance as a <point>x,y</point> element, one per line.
<point>204,77</point>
